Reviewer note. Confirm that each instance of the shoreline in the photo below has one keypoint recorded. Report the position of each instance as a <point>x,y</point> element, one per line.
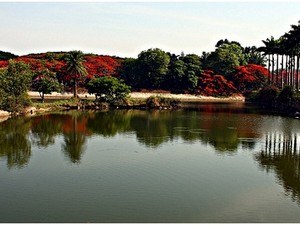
<point>144,96</point>
<point>140,97</point>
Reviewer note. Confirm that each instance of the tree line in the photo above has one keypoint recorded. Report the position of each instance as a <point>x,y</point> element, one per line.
<point>229,69</point>
<point>283,58</point>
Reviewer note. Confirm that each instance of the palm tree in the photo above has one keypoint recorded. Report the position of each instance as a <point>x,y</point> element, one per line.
<point>295,39</point>
<point>75,68</point>
<point>269,49</point>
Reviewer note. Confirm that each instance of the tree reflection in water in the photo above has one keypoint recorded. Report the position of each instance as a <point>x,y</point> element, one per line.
<point>14,143</point>
<point>281,154</point>
<point>74,132</point>
<point>151,128</point>
<point>45,128</point>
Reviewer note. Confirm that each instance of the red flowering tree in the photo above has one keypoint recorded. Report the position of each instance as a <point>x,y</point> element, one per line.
<point>211,84</point>
<point>249,77</point>
<point>98,66</point>
<point>3,63</point>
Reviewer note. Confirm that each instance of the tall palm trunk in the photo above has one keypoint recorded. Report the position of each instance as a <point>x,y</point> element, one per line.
<point>273,60</point>
<point>291,71</point>
<point>287,70</point>
<point>269,67</point>
<point>294,72</point>
<point>281,72</point>
<point>297,73</point>
<point>75,88</point>
<point>277,68</point>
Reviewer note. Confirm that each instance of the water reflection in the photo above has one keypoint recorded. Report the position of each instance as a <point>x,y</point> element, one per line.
<point>44,129</point>
<point>191,147</point>
<point>75,133</point>
<point>15,146</point>
<point>225,131</point>
<point>281,154</point>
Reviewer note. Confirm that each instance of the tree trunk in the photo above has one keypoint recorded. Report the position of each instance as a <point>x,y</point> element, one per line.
<point>42,95</point>
<point>297,73</point>
<point>75,88</point>
<point>277,70</point>
<point>291,71</point>
<point>287,70</point>
<point>294,71</point>
<point>281,72</point>
<point>273,60</point>
<point>269,67</point>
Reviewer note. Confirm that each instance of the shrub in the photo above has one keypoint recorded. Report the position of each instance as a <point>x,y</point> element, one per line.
<point>108,89</point>
<point>157,102</point>
<point>268,95</point>
<point>286,95</point>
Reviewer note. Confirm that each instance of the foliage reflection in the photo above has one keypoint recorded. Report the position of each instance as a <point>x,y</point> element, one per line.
<point>281,154</point>
<point>14,143</point>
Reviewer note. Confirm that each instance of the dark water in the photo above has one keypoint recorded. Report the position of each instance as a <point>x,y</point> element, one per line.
<point>219,163</point>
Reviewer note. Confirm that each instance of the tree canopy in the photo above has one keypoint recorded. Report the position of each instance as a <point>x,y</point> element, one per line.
<point>15,81</point>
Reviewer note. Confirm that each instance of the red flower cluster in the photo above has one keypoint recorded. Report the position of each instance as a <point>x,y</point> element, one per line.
<point>3,63</point>
<point>210,84</point>
<point>98,66</point>
<point>249,77</point>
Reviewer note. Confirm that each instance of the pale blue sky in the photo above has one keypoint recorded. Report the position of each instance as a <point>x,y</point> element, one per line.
<point>124,29</point>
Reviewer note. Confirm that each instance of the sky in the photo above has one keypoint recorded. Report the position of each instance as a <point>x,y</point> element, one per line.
<point>125,29</point>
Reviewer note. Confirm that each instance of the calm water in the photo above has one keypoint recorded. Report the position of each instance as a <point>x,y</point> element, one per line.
<point>219,163</point>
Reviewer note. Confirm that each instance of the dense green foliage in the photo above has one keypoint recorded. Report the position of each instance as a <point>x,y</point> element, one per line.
<point>45,82</point>
<point>14,84</point>
<point>225,58</point>
<point>108,89</point>
<point>7,55</point>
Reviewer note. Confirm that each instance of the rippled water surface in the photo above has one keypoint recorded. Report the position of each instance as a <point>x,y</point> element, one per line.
<point>219,163</point>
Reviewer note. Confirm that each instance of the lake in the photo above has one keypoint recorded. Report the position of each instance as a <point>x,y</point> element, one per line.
<point>215,163</point>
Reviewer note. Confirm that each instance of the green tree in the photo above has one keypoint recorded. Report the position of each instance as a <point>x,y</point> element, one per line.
<point>183,73</point>
<point>225,58</point>
<point>75,68</point>
<point>253,56</point>
<point>193,69</point>
<point>108,89</point>
<point>14,84</point>
<point>153,67</point>
<point>45,82</point>
<point>130,73</point>
<point>176,74</point>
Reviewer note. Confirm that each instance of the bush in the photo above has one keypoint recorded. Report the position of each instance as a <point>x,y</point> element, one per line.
<point>268,95</point>
<point>108,89</point>
<point>158,102</point>
<point>286,95</point>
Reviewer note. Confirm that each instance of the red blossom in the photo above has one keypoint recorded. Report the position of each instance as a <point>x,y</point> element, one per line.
<point>249,77</point>
<point>211,84</point>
